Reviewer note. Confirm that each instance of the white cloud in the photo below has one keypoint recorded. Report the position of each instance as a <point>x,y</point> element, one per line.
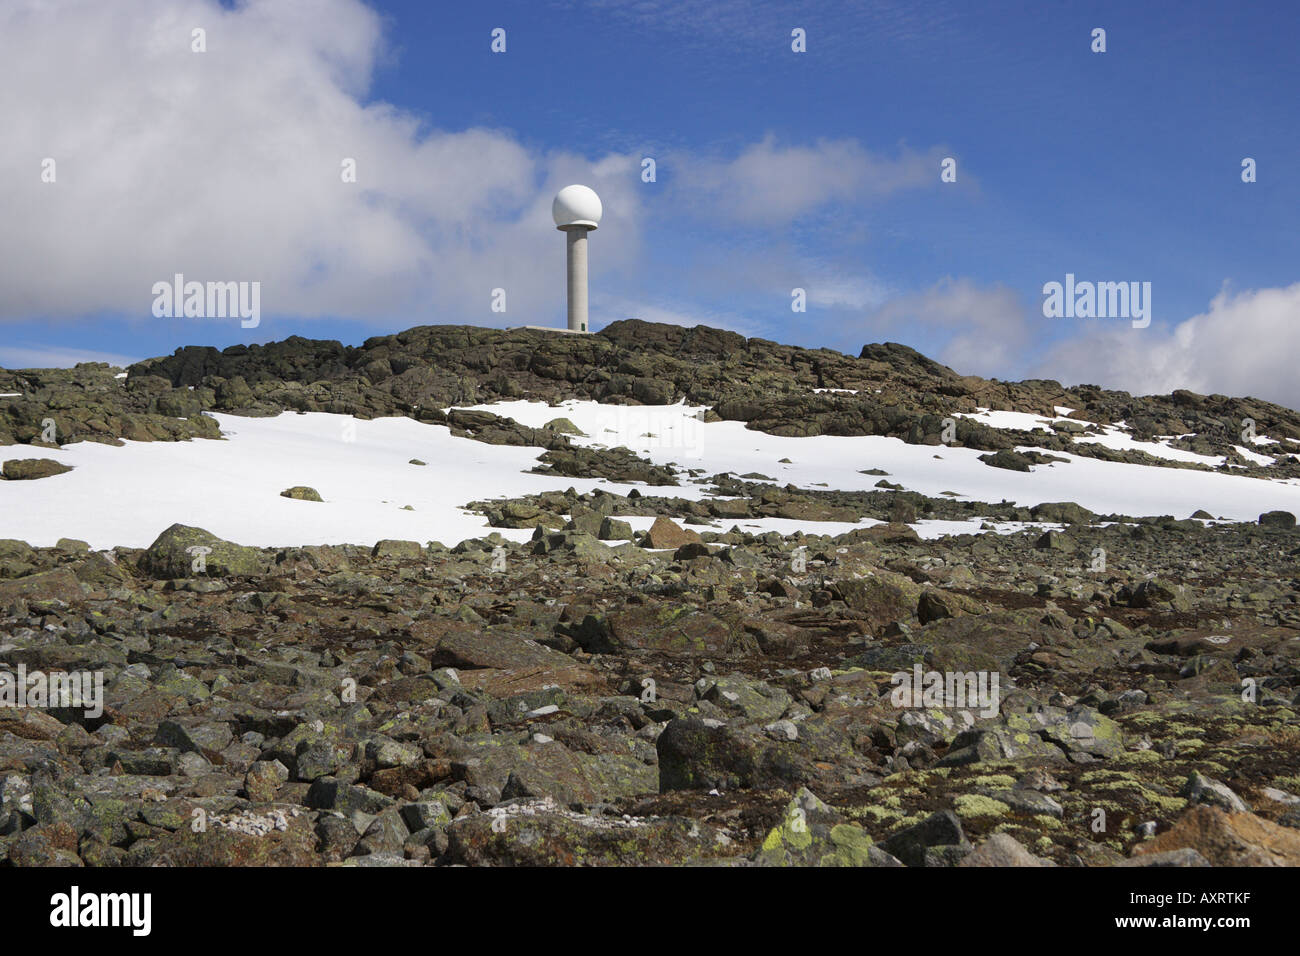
<point>225,165</point>
<point>987,327</point>
<point>1246,343</point>
<point>771,185</point>
<point>830,291</point>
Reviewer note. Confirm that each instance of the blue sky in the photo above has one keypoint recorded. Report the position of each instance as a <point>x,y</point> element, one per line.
<point>775,170</point>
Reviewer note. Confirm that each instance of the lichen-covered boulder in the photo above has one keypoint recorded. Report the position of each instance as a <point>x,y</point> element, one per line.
<point>301,493</point>
<point>30,469</point>
<point>813,834</point>
<point>181,550</point>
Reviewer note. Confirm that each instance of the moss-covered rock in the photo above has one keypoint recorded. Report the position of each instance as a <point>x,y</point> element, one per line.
<point>30,469</point>
<point>301,493</point>
<point>563,426</point>
<point>180,550</point>
<point>811,833</point>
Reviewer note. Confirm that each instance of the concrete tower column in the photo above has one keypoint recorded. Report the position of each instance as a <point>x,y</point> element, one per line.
<point>576,211</point>
<point>577,249</point>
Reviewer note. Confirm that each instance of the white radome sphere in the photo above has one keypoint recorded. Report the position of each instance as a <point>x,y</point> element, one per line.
<point>576,206</point>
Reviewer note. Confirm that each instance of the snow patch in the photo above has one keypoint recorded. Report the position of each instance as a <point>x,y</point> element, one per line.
<point>127,495</point>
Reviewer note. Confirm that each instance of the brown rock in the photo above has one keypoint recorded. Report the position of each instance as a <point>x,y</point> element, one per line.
<point>396,781</point>
<point>501,662</point>
<point>48,844</point>
<point>678,630</point>
<point>452,644</point>
<point>883,597</point>
<point>816,511</point>
<point>29,724</point>
<point>935,605</point>
<point>664,533</point>
<point>1228,839</point>
<point>891,533</point>
<point>264,779</point>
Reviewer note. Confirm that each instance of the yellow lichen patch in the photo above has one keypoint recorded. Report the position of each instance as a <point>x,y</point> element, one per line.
<point>793,832</point>
<point>970,805</point>
<point>905,822</point>
<point>1150,797</point>
<point>874,814</point>
<point>1158,721</point>
<point>852,846</point>
<point>998,780</point>
<point>1098,776</point>
<point>1137,757</point>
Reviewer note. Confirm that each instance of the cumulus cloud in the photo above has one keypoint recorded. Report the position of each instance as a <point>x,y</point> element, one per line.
<point>770,184</point>
<point>1246,343</point>
<point>845,291</point>
<point>987,328</point>
<point>226,165</point>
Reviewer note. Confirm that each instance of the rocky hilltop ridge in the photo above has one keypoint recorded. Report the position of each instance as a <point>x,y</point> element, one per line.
<point>888,389</point>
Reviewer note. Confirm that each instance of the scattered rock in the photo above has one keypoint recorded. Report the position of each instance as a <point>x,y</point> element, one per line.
<point>1000,849</point>
<point>1228,839</point>
<point>29,469</point>
<point>1278,520</point>
<point>1204,790</point>
<point>812,834</point>
<point>301,493</point>
<point>940,829</point>
<point>665,534</point>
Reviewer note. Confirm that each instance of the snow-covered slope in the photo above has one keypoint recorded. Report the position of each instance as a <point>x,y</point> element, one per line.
<point>127,495</point>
